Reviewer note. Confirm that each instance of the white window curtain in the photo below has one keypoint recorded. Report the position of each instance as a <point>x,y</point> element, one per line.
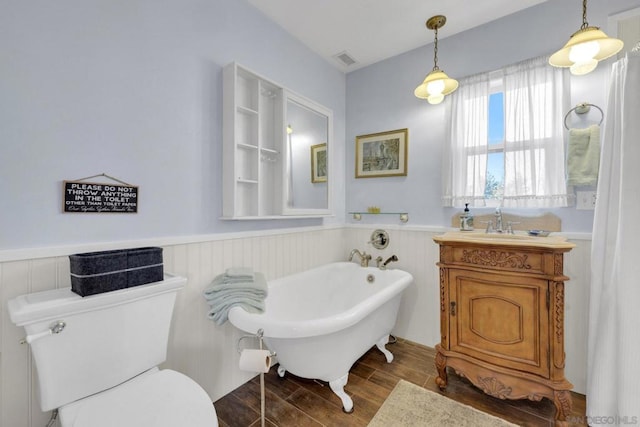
<point>536,96</point>
<point>465,158</point>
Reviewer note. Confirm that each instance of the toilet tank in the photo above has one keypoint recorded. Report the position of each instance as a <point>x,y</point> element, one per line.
<point>108,338</point>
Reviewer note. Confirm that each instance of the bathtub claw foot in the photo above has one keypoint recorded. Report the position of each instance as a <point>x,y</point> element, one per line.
<point>337,386</point>
<point>281,371</point>
<point>381,346</point>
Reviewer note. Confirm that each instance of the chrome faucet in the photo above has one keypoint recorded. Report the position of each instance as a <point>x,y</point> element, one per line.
<point>364,257</point>
<point>383,265</point>
<point>499,223</point>
<point>354,252</point>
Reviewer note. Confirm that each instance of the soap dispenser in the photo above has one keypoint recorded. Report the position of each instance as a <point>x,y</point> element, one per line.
<point>466,219</point>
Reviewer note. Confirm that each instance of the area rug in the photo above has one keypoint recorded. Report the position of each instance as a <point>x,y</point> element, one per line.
<point>410,405</point>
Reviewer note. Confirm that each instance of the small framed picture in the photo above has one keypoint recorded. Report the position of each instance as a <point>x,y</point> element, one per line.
<point>382,154</point>
<point>319,163</point>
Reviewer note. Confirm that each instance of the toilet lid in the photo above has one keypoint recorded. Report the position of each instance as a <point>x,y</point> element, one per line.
<point>157,398</point>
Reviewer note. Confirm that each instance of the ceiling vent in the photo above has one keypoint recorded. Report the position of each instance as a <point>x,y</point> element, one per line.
<point>345,59</point>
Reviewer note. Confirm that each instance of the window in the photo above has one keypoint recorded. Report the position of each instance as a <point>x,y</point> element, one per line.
<point>494,184</point>
<point>506,144</point>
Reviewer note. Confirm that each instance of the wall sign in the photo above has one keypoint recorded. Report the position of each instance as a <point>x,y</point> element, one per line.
<point>82,196</point>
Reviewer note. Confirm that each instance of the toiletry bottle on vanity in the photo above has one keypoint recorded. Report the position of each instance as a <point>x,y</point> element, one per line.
<point>466,219</point>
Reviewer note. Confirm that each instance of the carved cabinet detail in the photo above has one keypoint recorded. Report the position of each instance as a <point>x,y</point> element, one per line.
<point>502,314</point>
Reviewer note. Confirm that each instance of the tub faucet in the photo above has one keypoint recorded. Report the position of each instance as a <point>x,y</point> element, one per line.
<point>364,257</point>
<point>383,265</point>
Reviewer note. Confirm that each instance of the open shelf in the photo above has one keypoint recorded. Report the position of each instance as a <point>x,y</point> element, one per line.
<point>245,110</point>
<point>252,138</point>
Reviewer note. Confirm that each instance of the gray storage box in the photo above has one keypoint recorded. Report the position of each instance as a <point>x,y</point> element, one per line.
<point>97,272</point>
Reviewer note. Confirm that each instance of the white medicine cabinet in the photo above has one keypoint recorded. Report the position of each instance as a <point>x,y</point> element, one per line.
<point>276,147</point>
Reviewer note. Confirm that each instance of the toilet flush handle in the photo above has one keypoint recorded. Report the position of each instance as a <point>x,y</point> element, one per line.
<point>55,328</point>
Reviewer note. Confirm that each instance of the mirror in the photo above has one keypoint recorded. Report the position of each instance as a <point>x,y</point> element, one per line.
<point>307,148</point>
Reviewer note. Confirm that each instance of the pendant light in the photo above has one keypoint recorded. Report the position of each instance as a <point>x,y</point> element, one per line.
<point>585,48</point>
<point>437,84</point>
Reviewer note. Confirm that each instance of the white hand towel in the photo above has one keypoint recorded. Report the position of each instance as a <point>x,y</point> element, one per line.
<point>583,157</point>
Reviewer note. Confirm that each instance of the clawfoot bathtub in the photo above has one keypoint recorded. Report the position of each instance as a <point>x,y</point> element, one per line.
<point>320,321</point>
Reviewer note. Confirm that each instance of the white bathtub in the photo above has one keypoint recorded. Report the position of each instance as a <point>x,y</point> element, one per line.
<point>320,321</point>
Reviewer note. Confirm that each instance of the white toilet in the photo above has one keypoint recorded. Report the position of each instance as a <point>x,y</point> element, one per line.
<point>97,358</point>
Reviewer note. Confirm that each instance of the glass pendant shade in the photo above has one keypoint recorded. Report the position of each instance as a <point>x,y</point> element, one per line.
<point>435,86</point>
<point>585,48</point>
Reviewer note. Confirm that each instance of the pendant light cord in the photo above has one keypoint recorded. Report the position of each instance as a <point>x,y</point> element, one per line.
<point>585,24</point>
<point>435,51</point>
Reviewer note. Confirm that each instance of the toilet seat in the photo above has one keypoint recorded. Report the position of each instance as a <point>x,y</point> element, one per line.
<point>156,398</point>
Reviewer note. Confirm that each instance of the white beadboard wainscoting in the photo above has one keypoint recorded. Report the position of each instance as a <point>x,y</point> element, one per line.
<point>207,352</point>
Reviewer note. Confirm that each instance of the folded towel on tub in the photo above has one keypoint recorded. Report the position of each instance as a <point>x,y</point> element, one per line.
<point>222,295</point>
<point>222,282</point>
<point>240,272</point>
<point>583,156</point>
<point>225,298</point>
<point>221,314</point>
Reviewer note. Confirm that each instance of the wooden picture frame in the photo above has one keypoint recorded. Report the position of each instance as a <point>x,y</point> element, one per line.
<point>382,154</point>
<point>319,163</point>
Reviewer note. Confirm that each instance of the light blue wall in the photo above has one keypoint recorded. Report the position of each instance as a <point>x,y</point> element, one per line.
<point>380,97</point>
<point>134,89</point>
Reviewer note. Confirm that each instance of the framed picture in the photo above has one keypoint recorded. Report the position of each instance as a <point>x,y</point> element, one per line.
<point>319,163</point>
<point>382,154</point>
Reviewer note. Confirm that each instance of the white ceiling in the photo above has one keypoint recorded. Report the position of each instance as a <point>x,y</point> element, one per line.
<point>373,30</point>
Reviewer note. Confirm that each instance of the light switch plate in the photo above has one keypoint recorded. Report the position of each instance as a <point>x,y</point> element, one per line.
<point>586,200</point>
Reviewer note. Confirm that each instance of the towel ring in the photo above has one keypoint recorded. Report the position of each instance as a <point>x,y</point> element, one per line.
<point>583,108</point>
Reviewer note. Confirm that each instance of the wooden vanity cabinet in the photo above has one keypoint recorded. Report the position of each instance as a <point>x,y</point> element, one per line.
<point>501,316</point>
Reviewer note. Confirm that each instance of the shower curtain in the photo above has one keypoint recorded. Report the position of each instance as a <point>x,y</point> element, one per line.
<point>613,383</point>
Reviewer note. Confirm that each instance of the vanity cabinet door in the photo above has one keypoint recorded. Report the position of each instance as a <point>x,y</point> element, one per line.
<point>500,319</point>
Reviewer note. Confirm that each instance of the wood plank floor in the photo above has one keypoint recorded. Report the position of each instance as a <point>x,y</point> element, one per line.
<point>294,401</point>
